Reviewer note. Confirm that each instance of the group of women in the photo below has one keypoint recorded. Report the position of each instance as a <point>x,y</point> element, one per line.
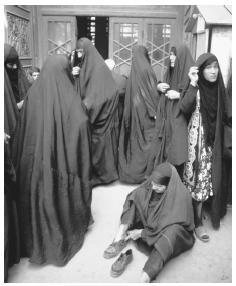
<point>67,138</point>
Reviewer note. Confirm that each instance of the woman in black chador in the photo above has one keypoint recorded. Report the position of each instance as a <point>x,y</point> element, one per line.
<point>15,88</point>
<point>16,74</point>
<point>159,214</point>
<point>139,115</point>
<point>204,101</point>
<point>53,167</point>
<point>100,96</point>
<point>170,143</point>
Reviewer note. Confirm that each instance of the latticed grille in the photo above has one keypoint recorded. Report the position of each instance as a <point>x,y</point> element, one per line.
<point>150,33</point>
<point>158,45</point>
<point>59,37</point>
<point>125,38</point>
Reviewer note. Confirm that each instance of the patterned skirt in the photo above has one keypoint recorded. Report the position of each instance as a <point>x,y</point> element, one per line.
<point>198,168</point>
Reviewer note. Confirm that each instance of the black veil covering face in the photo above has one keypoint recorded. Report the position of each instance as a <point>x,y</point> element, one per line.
<point>100,96</point>
<point>53,164</point>
<point>17,76</point>
<point>138,122</point>
<point>174,206</point>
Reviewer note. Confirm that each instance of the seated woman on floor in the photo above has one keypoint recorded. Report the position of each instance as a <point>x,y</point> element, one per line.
<point>160,213</point>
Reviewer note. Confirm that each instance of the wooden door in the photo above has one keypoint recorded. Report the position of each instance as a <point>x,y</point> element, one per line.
<point>156,34</point>
<point>58,35</point>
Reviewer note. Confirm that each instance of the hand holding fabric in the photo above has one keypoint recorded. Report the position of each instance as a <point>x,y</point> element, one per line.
<point>20,104</point>
<point>162,87</point>
<point>6,138</point>
<point>75,71</point>
<point>193,75</point>
<point>172,94</point>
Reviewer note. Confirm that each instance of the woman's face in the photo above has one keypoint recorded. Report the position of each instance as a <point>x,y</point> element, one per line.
<point>11,66</point>
<point>172,59</point>
<point>158,188</point>
<point>80,53</point>
<point>211,71</point>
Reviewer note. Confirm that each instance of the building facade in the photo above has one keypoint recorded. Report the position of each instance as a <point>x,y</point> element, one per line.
<point>39,31</point>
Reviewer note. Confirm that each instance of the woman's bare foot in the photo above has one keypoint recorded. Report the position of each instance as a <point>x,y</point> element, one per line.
<point>145,278</point>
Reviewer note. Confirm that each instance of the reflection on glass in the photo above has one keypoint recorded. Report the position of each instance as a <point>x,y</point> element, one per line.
<point>59,37</point>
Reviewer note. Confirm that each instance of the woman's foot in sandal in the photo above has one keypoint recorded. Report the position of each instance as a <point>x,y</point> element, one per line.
<point>201,233</point>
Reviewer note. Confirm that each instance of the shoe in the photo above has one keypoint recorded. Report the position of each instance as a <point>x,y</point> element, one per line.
<point>118,267</point>
<point>114,248</point>
<point>201,234</point>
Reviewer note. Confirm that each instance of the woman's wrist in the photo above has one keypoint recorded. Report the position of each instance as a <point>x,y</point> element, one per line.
<point>193,83</point>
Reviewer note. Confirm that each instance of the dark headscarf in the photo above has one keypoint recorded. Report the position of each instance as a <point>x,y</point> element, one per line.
<point>17,77</point>
<point>100,95</point>
<point>209,97</point>
<point>174,206</point>
<point>53,167</point>
<point>216,105</point>
<point>177,76</point>
<point>11,111</point>
<point>138,123</point>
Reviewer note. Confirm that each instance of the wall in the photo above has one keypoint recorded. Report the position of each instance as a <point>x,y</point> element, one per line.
<point>221,46</point>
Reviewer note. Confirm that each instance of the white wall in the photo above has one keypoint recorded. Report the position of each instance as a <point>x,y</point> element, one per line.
<point>221,46</point>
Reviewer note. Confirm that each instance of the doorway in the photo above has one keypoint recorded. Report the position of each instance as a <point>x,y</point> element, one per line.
<point>156,34</point>
<point>95,29</point>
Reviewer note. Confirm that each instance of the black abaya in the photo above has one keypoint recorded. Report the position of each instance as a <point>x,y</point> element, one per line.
<point>170,143</point>
<point>138,122</point>
<point>53,167</point>
<point>100,96</point>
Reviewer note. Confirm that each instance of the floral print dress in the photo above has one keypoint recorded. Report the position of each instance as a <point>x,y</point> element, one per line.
<point>198,168</point>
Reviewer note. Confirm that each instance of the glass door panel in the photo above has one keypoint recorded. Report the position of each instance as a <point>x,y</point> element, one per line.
<point>158,38</point>
<point>59,34</point>
<point>125,33</point>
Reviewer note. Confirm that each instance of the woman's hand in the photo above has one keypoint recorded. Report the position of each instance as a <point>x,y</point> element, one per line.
<point>6,138</point>
<point>20,104</point>
<point>162,87</point>
<point>193,75</point>
<point>173,94</point>
<point>134,234</point>
<point>75,71</point>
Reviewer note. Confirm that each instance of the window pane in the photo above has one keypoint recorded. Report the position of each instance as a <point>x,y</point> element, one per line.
<point>59,37</point>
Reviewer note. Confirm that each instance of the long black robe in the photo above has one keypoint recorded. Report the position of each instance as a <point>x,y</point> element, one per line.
<point>53,167</point>
<point>11,116</point>
<point>11,227</point>
<point>100,96</point>
<point>187,105</point>
<point>120,81</point>
<point>174,206</point>
<point>166,219</point>
<point>228,141</point>
<point>170,143</point>
<point>138,122</point>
